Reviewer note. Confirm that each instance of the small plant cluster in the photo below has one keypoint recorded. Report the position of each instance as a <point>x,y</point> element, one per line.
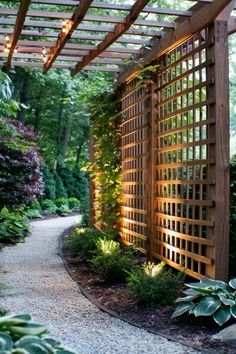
<point>209,298</point>
<point>13,227</point>
<point>151,284</point>
<point>19,334</point>
<point>60,206</point>
<point>20,164</point>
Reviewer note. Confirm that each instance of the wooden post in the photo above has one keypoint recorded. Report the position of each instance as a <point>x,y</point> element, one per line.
<point>218,73</point>
<point>151,172</point>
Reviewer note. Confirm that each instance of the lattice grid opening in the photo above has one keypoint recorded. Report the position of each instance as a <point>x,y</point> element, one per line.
<point>182,219</point>
<point>136,113</point>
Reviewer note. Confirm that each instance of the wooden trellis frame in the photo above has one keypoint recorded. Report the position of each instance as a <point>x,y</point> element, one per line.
<point>174,132</point>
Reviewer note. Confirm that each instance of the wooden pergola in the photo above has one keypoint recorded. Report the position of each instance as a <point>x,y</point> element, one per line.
<point>78,39</point>
<point>174,132</point>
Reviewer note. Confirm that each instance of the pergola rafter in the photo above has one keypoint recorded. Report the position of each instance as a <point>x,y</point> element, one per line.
<point>111,37</point>
<point>40,36</point>
<point>70,26</point>
<point>21,14</point>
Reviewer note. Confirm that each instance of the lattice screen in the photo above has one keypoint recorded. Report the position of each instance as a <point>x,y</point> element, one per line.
<point>136,113</point>
<point>182,202</point>
<point>174,142</point>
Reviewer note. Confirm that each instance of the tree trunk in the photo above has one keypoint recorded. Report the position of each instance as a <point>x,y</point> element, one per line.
<point>24,96</point>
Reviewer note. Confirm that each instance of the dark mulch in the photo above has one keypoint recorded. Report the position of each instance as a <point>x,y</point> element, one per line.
<point>115,299</point>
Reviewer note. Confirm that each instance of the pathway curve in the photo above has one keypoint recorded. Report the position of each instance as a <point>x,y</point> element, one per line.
<point>45,290</point>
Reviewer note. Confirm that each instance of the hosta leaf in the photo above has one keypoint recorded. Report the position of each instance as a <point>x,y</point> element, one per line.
<point>226,301</point>
<point>222,315</point>
<point>207,306</point>
<point>187,298</point>
<point>233,311</point>
<point>6,342</point>
<point>182,308</point>
<point>191,292</point>
<point>232,283</point>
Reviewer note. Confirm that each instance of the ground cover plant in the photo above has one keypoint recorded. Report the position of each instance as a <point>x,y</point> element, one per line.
<point>82,242</point>
<point>13,226</point>
<point>19,334</point>
<point>110,262</point>
<point>153,285</point>
<point>209,298</point>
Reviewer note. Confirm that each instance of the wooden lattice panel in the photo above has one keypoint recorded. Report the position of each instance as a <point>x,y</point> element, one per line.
<point>134,149</point>
<point>182,219</point>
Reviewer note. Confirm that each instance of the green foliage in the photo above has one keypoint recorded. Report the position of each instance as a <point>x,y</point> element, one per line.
<point>209,298</point>
<point>49,183</point>
<point>61,201</point>
<point>82,242</point>
<point>74,204</point>
<point>48,205</point>
<point>18,334</point>
<point>33,214</point>
<point>154,286</point>
<point>110,262</point>
<point>8,106</point>
<point>105,166</point>
<point>13,227</point>
<point>60,189</point>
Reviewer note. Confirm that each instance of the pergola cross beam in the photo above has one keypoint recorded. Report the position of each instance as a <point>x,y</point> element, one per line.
<point>111,37</point>
<point>21,15</point>
<point>72,24</point>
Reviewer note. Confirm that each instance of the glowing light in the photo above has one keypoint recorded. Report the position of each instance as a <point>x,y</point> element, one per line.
<point>16,50</point>
<point>44,51</point>
<point>152,269</point>
<point>6,50</point>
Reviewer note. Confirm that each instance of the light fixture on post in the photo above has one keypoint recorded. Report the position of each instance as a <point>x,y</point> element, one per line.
<point>44,51</point>
<point>16,50</point>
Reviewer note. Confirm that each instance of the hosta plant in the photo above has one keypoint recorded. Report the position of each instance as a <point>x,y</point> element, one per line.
<point>19,335</point>
<point>13,226</point>
<point>209,298</point>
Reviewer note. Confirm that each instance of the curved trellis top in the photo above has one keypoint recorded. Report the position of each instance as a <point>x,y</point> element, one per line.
<point>92,35</point>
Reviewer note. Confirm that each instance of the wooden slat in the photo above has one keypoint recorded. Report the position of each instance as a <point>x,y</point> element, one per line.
<point>113,36</point>
<point>73,23</point>
<point>90,18</point>
<point>82,27</point>
<point>183,31</point>
<point>21,14</point>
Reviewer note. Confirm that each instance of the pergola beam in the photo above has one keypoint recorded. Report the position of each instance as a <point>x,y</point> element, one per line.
<point>184,30</point>
<point>111,37</point>
<point>82,27</point>
<point>232,25</point>
<point>21,14</point>
<point>90,18</point>
<point>117,7</point>
<point>90,37</point>
<point>72,24</point>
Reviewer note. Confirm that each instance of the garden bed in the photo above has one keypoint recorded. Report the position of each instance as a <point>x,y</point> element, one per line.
<point>115,300</point>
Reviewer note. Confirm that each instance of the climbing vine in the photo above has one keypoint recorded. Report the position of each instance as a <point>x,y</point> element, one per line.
<point>104,168</point>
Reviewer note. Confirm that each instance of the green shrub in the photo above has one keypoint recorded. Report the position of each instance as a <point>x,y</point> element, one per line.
<point>74,204</point>
<point>110,262</point>
<point>154,286</point>
<point>36,205</point>
<point>33,214</point>
<point>18,334</point>
<point>209,298</point>
<point>60,189</point>
<point>49,183</point>
<point>49,206</point>
<point>61,201</point>
<point>63,210</point>
<point>82,242</point>
<point>13,227</point>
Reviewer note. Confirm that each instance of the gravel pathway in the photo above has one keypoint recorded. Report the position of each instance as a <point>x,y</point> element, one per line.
<point>44,289</point>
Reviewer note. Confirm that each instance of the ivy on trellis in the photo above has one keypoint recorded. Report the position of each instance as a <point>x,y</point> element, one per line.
<point>105,168</point>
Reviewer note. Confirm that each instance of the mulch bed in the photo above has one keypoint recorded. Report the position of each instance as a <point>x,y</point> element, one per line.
<point>114,299</point>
